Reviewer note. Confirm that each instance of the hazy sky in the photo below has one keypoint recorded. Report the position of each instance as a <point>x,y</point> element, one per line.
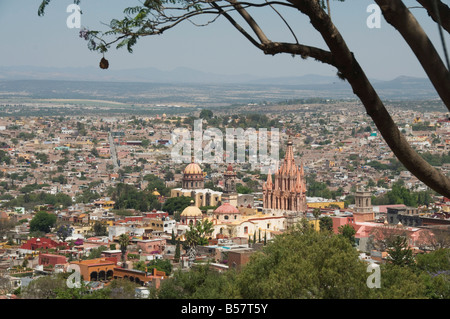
<point>27,39</point>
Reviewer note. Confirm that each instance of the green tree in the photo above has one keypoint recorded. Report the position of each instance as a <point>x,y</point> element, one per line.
<point>348,232</point>
<point>158,183</point>
<point>198,233</point>
<point>434,268</point>
<point>46,287</point>
<point>121,289</point>
<point>206,114</point>
<point>399,253</point>
<point>43,222</point>
<point>124,241</point>
<point>5,226</point>
<point>303,263</point>
<point>326,223</point>
<point>201,282</point>
<point>96,252</point>
<point>129,197</point>
<point>140,265</point>
<point>437,284</point>
<point>161,265</point>
<point>399,283</point>
<point>176,258</point>
<point>435,261</point>
<point>176,204</point>
<point>241,189</point>
<point>100,229</point>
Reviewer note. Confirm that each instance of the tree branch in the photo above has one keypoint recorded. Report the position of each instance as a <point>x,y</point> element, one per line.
<point>236,25</point>
<point>352,71</point>
<point>444,12</point>
<point>398,15</point>
<point>251,22</point>
<point>298,49</point>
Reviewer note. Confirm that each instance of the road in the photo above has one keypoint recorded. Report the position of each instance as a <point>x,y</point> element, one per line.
<point>113,152</point>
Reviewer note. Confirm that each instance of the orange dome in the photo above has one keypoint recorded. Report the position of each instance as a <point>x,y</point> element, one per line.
<point>226,208</point>
<point>193,168</point>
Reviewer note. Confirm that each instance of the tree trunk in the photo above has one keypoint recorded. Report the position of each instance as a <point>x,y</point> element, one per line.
<point>444,12</point>
<point>398,15</point>
<point>347,65</point>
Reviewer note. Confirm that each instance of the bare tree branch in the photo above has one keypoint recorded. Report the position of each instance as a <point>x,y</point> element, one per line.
<point>236,25</point>
<point>398,15</point>
<point>444,12</point>
<point>251,22</point>
<point>349,67</point>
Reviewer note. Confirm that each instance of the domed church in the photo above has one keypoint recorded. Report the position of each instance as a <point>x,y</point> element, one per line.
<point>191,215</point>
<point>193,185</point>
<point>193,177</point>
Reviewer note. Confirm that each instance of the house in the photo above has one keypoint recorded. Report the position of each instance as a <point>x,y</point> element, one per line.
<point>152,246</point>
<point>51,259</point>
<point>237,258</point>
<point>96,269</point>
<point>115,254</point>
<point>43,243</point>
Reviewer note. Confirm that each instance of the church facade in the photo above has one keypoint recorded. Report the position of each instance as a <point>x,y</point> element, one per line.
<point>287,191</point>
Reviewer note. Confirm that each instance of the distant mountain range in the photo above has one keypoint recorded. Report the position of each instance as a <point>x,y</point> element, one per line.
<point>24,78</point>
<point>178,75</point>
<point>148,75</point>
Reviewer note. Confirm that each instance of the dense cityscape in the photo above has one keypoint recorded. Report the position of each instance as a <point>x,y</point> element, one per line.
<point>104,194</point>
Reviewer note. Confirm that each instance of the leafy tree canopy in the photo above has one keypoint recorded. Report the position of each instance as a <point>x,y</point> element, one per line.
<point>43,222</point>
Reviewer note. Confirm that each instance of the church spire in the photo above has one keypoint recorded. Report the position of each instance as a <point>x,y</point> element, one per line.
<point>269,179</point>
<point>287,190</point>
<point>289,157</point>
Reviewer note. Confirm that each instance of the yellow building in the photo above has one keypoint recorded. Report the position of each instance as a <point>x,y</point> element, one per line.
<point>193,186</point>
<point>105,204</point>
<point>315,223</point>
<point>81,230</point>
<point>326,204</point>
<point>201,197</point>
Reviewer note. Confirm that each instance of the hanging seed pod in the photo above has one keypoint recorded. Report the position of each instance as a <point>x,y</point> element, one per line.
<point>104,64</point>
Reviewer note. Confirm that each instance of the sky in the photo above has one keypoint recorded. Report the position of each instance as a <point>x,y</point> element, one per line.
<point>30,40</point>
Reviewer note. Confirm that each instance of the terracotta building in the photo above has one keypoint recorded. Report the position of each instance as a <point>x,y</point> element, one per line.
<point>96,269</point>
<point>288,190</point>
<point>193,183</point>
<point>43,243</point>
<point>51,259</point>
